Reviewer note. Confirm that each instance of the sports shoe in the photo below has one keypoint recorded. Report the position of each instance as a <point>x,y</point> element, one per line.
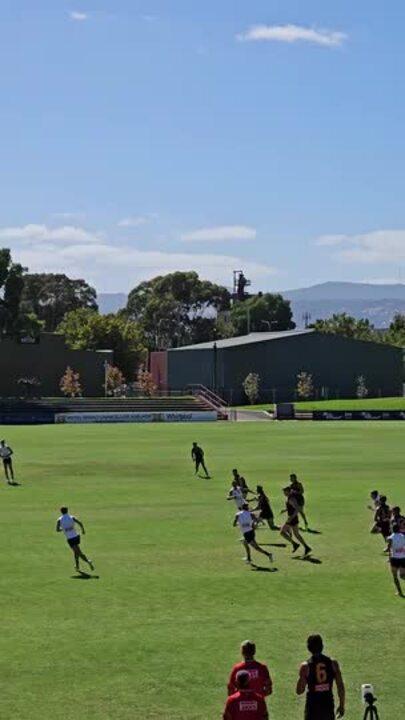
<point>295,547</point>
<point>270,557</point>
<point>307,550</point>
<point>91,566</point>
<point>246,560</point>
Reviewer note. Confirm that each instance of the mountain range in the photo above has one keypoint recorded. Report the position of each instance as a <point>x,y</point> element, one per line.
<point>377,303</point>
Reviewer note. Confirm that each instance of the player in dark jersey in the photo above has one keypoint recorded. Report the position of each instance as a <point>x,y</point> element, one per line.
<point>298,490</point>
<point>264,508</point>
<point>197,455</point>
<point>290,529</point>
<point>316,676</point>
<point>6,455</point>
<point>241,482</point>
<point>382,518</point>
<point>374,504</point>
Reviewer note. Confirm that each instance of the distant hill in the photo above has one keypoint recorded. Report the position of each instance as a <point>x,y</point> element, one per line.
<point>346,291</point>
<point>111,302</point>
<point>377,303</point>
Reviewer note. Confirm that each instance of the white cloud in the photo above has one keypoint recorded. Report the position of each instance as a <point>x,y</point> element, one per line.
<point>383,280</point>
<point>68,215</point>
<point>136,221</point>
<point>330,240</point>
<point>33,233</point>
<point>379,246</point>
<point>78,16</point>
<point>113,266</point>
<point>220,233</point>
<point>291,34</point>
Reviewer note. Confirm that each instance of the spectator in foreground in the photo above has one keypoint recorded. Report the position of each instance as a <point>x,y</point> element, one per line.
<point>245,703</point>
<point>258,673</point>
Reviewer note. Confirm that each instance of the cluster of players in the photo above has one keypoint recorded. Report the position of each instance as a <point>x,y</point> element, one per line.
<point>254,508</point>
<point>250,683</point>
<point>248,518</point>
<point>390,523</point>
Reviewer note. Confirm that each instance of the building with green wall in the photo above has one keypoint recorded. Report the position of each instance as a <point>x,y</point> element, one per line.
<point>46,359</point>
<point>334,362</point>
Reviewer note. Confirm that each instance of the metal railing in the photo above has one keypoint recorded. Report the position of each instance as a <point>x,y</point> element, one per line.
<point>214,401</point>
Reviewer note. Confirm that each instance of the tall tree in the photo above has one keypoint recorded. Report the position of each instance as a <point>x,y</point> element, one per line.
<point>50,296</point>
<point>85,329</point>
<point>14,321</point>
<point>350,327</point>
<point>396,331</point>
<point>177,309</point>
<point>261,313</point>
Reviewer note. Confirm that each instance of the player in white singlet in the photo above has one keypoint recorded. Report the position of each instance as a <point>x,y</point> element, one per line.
<point>67,524</point>
<point>247,524</point>
<point>396,546</point>
<point>236,494</point>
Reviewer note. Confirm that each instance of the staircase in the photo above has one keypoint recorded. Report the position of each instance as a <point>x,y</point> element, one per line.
<point>211,401</point>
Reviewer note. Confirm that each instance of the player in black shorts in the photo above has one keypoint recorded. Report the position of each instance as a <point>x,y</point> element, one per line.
<point>382,518</point>
<point>264,508</point>
<point>290,529</point>
<point>317,676</point>
<point>298,490</point>
<point>5,454</point>
<point>197,455</point>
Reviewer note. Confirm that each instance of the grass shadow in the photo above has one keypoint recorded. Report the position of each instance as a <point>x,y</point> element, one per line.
<point>308,558</point>
<point>313,532</point>
<point>274,544</point>
<point>266,527</point>
<point>259,568</point>
<point>85,576</point>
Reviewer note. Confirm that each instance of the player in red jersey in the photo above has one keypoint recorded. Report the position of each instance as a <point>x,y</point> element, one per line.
<point>259,676</point>
<point>245,704</point>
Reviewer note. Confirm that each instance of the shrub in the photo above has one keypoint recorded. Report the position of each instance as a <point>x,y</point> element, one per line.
<point>305,386</point>
<point>251,386</point>
<point>70,383</point>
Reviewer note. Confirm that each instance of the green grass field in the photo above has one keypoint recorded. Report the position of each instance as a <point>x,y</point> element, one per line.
<point>156,635</point>
<point>392,403</point>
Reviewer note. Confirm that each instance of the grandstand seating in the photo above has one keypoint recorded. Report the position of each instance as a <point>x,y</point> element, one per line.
<point>48,407</point>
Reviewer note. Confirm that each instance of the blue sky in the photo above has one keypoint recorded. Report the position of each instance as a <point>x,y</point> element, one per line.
<point>139,137</point>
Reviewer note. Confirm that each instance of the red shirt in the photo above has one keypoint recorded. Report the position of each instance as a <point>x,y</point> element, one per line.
<point>245,705</point>
<point>259,677</point>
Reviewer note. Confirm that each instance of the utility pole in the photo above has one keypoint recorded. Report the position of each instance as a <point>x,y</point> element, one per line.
<point>106,364</point>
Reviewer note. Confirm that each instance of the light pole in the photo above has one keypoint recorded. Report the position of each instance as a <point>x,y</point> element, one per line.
<point>215,351</point>
<point>106,365</point>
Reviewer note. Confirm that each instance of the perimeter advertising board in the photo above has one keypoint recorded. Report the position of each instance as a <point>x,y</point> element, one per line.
<point>358,415</point>
<point>134,417</point>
